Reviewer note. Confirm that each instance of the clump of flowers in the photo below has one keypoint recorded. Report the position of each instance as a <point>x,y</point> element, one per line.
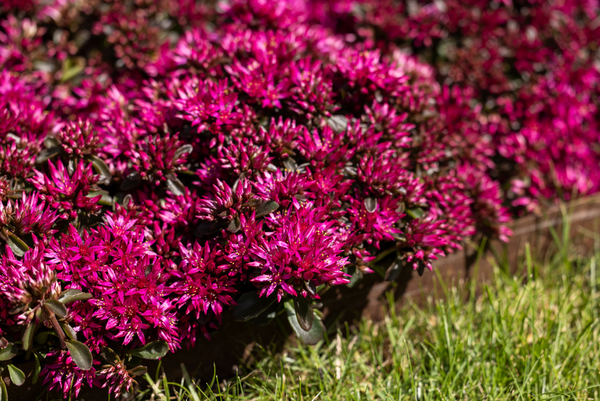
<point>532,66</point>
<point>164,161</point>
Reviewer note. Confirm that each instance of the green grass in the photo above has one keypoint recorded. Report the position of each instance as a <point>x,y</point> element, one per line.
<point>535,336</point>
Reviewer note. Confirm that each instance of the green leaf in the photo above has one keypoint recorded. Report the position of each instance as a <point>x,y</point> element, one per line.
<point>338,123</point>
<point>39,314</point>
<point>154,350</point>
<point>304,313</point>
<point>101,168</point>
<point>110,355</point>
<point>8,352</point>
<point>420,267</point>
<point>17,245</point>
<point>49,153</point>
<point>134,360</point>
<point>311,337</point>
<point>72,295</point>
<point>266,208</point>
<point>322,289</point>
<point>182,150</point>
<point>393,272</point>
<point>72,334</point>
<point>16,375</point>
<point>370,204</point>
<point>17,309</point>
<point>41,337</point>
<point>105,198</point>
<point>15,194</point>
<point>207,228</point>
<point>28,336</point>
<point>3,392</point>
<point>175,186</point>
<point>57,307</point>
<point>310,287</point>
<point>70,68</point>
<point>266,317</point>
<point>235,225</point>
<point>81,354</point>
<point>250,305</point>
<point>241,178</point>
<point>126,199</point>
<point>190,385</point>
<point>37,369</point>
<point>415,213</point>
<point>290,164</point>
<point>138,371</point>
<point>51,142</point>
<point>356,276</point>
<point>398,237</point>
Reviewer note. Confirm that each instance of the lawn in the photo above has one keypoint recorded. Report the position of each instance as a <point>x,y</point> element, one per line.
<point>523,337</point>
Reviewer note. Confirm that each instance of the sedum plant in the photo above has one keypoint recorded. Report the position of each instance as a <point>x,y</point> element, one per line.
<point>165,164</point>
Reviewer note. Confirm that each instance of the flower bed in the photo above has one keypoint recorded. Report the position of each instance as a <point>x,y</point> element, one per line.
<point>532,66</point>
<point>163,162</point>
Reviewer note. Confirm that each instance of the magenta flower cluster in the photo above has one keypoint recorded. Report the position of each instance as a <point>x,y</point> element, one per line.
<point>164,161</point>
<point>532,65</point>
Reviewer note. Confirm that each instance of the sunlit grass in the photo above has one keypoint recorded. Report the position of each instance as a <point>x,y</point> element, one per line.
<point>532,336</point>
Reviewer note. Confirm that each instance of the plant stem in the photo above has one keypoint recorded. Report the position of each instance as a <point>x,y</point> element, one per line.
<point>59,331</point>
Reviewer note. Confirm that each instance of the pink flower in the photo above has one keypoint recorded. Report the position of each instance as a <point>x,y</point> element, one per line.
<point>61,373</point>
<point>302,250</point>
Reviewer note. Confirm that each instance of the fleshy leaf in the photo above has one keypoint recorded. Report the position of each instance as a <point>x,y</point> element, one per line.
<point>290,164</point>
<point>310,287</point>
<point>420,267</point>
<point>266,208</point>
<point>41,337</point>
<point>49,153</point>
<point>182,150</point>
<point>138,371</point>
<point>250,305</point>
<point>72,295</point>
<point>175,186</point>
<point>207,228</point>
<point>72,334</point>
<point>105,198</point>
<point>81,354</point>
<point>101,168</point>
<point>57,307</point>
<point>415,213</point>
<point>338,123</point>
<point>3,392</point>
<point>267,316</point>
<point>17,245</point>
<point>356,276</point>
<point>51,142</point>
<point>371,204</point>
<point>126,199</point>
<point>71,67</point>
<point>16,375</point>
<point>311,337</point>
<point>37,369</point>
<point>235,225</point>
<point>304,313</point>
<point>154,350</point>
<point>110,355</point>
<point>393,271</point>
<point>8,352</point>
<point>28,336</point>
